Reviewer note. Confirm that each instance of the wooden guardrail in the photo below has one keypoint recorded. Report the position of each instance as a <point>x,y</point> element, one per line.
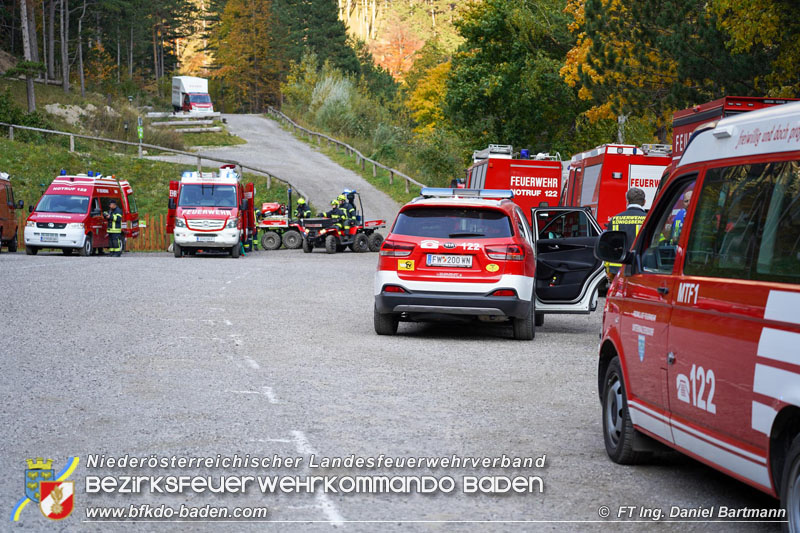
<point>199,156</point>
<point>360,158</point>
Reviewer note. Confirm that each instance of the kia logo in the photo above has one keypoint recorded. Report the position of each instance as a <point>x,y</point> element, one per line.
<point>50,225</point>
<point>449,245</point>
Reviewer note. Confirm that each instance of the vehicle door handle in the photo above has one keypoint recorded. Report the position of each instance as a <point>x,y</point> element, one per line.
<point>671,358</point>
<point>663,290</point>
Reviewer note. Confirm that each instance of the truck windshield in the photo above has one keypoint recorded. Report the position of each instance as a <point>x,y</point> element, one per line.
<point>199,98</point>
<point>210,195</point>
<point>453,223</point>
<point>63,203</point>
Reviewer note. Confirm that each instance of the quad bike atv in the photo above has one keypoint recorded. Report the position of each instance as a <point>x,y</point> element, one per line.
<point>277,228</point>
<point>322,232</point>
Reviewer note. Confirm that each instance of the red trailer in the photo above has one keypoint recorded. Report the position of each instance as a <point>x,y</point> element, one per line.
<point>600,178</point>
<point>535,182</point>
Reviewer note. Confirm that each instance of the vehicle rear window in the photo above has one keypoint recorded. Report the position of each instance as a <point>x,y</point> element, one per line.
<point>453,223</point>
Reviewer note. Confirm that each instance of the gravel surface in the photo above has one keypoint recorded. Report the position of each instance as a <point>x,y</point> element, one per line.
<point>275,150</point>
<point>275,353</point>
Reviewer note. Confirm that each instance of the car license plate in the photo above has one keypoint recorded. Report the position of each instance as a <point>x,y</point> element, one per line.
<point>457,261</point>
<point>205,239</point>
<point>49,237</point>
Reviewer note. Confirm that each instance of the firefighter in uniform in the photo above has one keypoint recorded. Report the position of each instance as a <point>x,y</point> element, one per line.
<point>348,213</point>
<point>114,217</point>
<point>336,214</point>
<point>629,221</point>
<point>302,210</point>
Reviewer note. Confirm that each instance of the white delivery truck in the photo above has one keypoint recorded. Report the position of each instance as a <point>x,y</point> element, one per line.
<point>190,94</point>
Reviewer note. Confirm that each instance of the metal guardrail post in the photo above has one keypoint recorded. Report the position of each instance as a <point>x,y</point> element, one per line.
<point>199,166</point>
<point>269,181</point>
<point>11,133</point>
<point>71,143</point>
<point>374,170</point>
<point>391,177</point>
<point>362,164</point>
<point>406,184</point>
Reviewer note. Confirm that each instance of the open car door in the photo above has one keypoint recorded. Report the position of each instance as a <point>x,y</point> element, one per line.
<point>567,272</point>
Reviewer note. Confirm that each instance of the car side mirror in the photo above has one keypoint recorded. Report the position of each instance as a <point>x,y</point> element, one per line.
<point>30,208</point>
<point>613,247</point>
<point>94,213</point>
<point>20,204</point>
<point>243,206</point>
<point>171,203</point>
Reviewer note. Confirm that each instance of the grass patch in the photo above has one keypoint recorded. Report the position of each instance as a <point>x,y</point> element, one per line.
<point>33,167</point>
<point>213,138</point>
<point>396,190</point>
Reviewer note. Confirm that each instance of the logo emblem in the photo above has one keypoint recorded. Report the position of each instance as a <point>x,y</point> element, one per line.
<point>449,245</point>
<point>641,347</point>
<point>429,244</point>
<point>38,471</point>
<point>491,267</point>
<point>57,501</point>
<point>50,225</point>
<point>405,264</point>
<point>682,387</point>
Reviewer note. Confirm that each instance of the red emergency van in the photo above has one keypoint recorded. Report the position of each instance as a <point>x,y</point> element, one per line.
<point>8,214</point>
<point>210,210</point>
<point>701,327</point>
<point>69,216</point>
<point>535,182</point>
<point>599,178</point>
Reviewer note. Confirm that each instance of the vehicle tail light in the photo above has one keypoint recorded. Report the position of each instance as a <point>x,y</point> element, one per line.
<point>393,288</point>
<point>510,252</point>
<point>396,249</point>
<point>504,292</point>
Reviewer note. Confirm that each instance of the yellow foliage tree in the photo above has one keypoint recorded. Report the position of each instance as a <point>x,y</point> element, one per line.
<point>427,100</point>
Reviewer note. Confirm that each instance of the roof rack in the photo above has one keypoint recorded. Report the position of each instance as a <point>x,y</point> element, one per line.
<point>657,148</point>
<point>436,192</point>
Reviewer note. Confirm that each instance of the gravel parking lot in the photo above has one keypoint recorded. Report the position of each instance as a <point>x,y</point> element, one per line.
<point>275,354</point>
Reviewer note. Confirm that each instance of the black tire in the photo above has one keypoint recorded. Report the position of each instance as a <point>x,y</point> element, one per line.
<point>31,250</point>
<point>525,327</point>
<point>67,251</point>
<point>331,244</point>
<point>790,487</point>
<point>236,250</point>
<point>270,240</point>
<point>618,430</point>
<point>375,240</point>
<point>385,323</point>
<point>86,249</point>
<point>13,245</point>
<point>308,246</point>
<point>177,250</point>
<point>360,243</point>
<point>538,319</point>
<point>292,239</point>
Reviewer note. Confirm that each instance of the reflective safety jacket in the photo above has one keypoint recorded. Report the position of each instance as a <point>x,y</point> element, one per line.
<point>302,211</point>
<point>629,221</point>
<point>115,220</point>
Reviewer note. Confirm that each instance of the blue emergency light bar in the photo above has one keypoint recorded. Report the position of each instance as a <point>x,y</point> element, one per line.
<point>436,192</point>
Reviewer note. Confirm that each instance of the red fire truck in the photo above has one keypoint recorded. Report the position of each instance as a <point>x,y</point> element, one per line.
<point>209,211</point>
<point>600,178</point>
<point>535,181</point>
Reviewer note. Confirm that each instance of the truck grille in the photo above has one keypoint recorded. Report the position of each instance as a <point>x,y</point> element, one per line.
<point>206,224</point>
<point>51,225</point>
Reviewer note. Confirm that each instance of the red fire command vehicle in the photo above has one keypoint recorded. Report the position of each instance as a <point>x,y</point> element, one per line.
<point>8,214</point>
<point>69,216</point>
<point>210,211</point>
<point>600,178</point>
<point>535,182</point>
<point>701,326</point>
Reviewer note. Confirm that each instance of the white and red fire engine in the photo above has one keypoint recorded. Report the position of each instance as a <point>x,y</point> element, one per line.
<point>600,178</point>
<point>535,181</point>
<point>210,211</point>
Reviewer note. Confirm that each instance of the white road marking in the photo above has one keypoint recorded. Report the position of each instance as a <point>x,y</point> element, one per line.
<point>252,363</point>
<point>325,503</point>
<point>228,322</point>
<point>242,392</point>
<point>270,394</point>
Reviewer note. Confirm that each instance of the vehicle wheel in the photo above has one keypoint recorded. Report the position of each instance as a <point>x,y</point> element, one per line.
<point>375,240</point>
<point>86,249</point>
<point>270,240</point>
<point>12,245</point>
<point>67,251</point>
<point>292,239</point>
<point>385,323</point>
<point>360,243</point>
<point>525,327</point>
<point>307,246</point>
<point>177,250</point>
<point>236,250</point>
<point>539,319</point>
<point>31,250</point>
<point>618,431</point>
<point>790,487</point>
<point>331,244</point>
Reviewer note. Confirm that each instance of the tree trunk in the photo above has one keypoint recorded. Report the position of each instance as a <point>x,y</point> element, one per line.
<point>130,56</point>
<point>26,46</point>
<point>64,45</point>
<point>80,50</point>
<point>118,54</point>
<point>51,40</point>
<point>155,61</point>
<point>44,40</point>
<point>33,41</point>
